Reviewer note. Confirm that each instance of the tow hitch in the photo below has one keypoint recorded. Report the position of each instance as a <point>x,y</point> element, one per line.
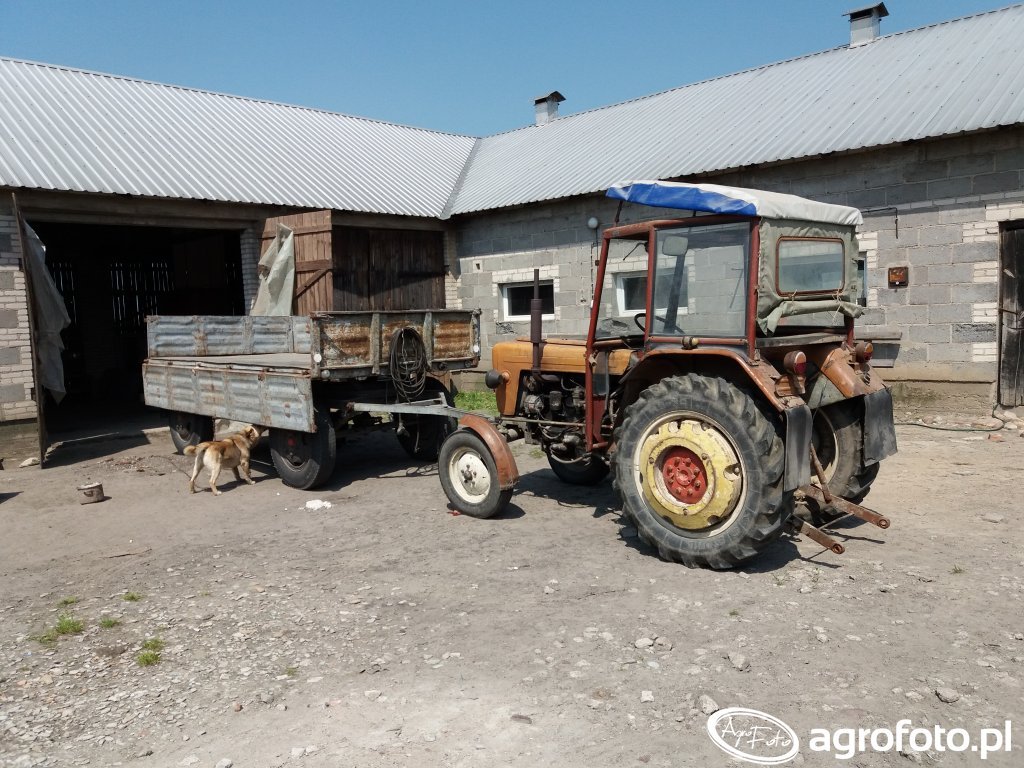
<point>828,502</point>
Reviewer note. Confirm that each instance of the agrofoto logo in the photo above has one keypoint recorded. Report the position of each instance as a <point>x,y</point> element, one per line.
<point>752,735</point>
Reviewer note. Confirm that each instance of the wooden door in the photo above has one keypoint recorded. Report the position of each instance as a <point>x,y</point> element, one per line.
<point>314,282</point>
<point>382,269</point>
<point>1011,318</point>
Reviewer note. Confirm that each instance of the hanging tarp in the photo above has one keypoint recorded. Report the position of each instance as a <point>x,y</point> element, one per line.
<point>50,313</point>
<point>277,276</point>
<point>713,198</point>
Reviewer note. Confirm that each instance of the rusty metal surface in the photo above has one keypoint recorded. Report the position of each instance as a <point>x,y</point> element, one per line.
<point>360,342</point>
<point>169,335</point>
<point>269,397</point>
<point>819,536</point>
<point>504,461</point>
<point>846,507</point>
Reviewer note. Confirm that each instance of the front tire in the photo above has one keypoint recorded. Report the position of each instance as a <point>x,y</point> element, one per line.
<point>189,429</point>
<point>305,460</point>
<point>699,468</point>
<point>469,476</point>
<point>582,472</point>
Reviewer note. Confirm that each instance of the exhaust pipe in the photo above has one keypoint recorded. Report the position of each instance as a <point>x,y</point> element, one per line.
<point>536,315</point>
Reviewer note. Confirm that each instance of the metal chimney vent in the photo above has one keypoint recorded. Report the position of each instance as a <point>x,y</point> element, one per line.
<point>865,23</point>
<point>546,107</point>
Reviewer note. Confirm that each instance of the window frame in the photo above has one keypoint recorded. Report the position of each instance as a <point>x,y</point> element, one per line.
<point>820,292</point>
<point>503,289</point>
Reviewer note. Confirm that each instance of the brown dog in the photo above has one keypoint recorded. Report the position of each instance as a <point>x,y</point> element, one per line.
<point>230,453</point>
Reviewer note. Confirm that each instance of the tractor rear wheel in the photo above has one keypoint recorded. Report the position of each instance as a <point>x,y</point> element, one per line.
<point>699,468</point>
<point>838,439</point>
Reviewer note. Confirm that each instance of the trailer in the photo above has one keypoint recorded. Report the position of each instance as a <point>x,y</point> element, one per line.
<point>310,378</point>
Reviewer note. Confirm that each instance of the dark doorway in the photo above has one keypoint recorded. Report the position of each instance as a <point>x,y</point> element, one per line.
<point>111,278</point>
<point>1011,318</point>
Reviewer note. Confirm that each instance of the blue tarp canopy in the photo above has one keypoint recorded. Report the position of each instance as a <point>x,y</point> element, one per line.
<point>713,198</point>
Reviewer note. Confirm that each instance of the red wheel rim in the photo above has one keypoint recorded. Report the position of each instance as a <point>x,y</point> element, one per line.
<point>684,475</point>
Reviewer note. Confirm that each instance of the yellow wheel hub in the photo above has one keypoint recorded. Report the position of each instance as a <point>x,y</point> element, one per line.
<point>690,474</point>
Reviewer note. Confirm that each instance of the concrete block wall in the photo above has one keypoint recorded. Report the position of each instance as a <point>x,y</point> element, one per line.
<point>16,384</point>
<point>951,197</point>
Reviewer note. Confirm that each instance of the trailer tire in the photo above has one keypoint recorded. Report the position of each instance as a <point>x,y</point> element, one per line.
<point>838,437</point>
<point>305,460</point>
<point>189,429</point>
<point>424,435</point>
<point>469,476</point>
<point>589,472</point>
<point>699,468</point>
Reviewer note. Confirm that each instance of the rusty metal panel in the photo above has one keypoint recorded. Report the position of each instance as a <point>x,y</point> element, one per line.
<point>214,335</point>
<point>360,342</point>
<point>269,398</point>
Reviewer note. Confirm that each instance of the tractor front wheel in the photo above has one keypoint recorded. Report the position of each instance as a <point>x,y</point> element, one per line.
<point>699,467</point>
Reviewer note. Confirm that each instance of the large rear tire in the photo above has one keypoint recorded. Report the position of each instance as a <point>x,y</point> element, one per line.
<point>838,439</point>
<point>189,429</point>
<point>699,468</point>
<point>305,460</point>
<point>469,476</point>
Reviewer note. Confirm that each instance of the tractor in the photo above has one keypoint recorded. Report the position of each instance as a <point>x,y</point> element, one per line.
<point>720,383</point>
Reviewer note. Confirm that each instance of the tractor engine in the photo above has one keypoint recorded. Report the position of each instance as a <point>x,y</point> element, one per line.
<point>559,398</point>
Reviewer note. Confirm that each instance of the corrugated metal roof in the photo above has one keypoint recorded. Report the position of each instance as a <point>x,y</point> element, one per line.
<point>961,75</point>
<point>67,129</point>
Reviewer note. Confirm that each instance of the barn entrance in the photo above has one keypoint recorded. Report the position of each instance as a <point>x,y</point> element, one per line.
<point>111,278</point>
<point>1011,318</point>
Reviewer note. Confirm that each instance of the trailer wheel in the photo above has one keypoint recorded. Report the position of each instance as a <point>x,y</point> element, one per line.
<point>699,468</point>
<point>189,429</point>
<point>590,471</point>
<point>838,438</point>
<point>422,436</point>
<point>469,476</point>
<point>305,459</point>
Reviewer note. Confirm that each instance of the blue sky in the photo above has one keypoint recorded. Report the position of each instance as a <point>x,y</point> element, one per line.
<point>449,65</point>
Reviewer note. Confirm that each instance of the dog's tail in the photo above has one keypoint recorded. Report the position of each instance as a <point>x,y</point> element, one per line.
<point>200,449</point>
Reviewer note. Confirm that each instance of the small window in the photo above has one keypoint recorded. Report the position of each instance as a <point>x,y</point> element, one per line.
<point>516,299</point>
<point>810,266</point>
<point>631,290</point>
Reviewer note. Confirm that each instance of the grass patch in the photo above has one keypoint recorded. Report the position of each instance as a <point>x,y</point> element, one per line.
<point>734,612</point>
<point>477,401</point>
<point>148,658</point>
<point>957,570</point>
<point>66,625</point>
<point>108,623</point>
<point>69,625</point>
<point>68,601</point>
<point>536,453</point>
<point>292,671</point>
<point>131,597</point>
<point>153,644</point>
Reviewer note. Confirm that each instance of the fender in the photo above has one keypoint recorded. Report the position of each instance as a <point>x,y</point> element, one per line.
<point>504,462</point>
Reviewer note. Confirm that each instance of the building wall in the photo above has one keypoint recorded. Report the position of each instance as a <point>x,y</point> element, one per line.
<point>950,196</point>
<point>15,351</point>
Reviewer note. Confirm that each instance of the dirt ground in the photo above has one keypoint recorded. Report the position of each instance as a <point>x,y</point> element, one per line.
<point>385,631</point>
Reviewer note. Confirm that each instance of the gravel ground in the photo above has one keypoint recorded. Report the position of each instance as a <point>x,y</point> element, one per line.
<point>382,630</point>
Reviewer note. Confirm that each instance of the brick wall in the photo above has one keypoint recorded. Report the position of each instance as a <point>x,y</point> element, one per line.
<point>250,245</point>
<point>15,352</point>
<point>951,196</point>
